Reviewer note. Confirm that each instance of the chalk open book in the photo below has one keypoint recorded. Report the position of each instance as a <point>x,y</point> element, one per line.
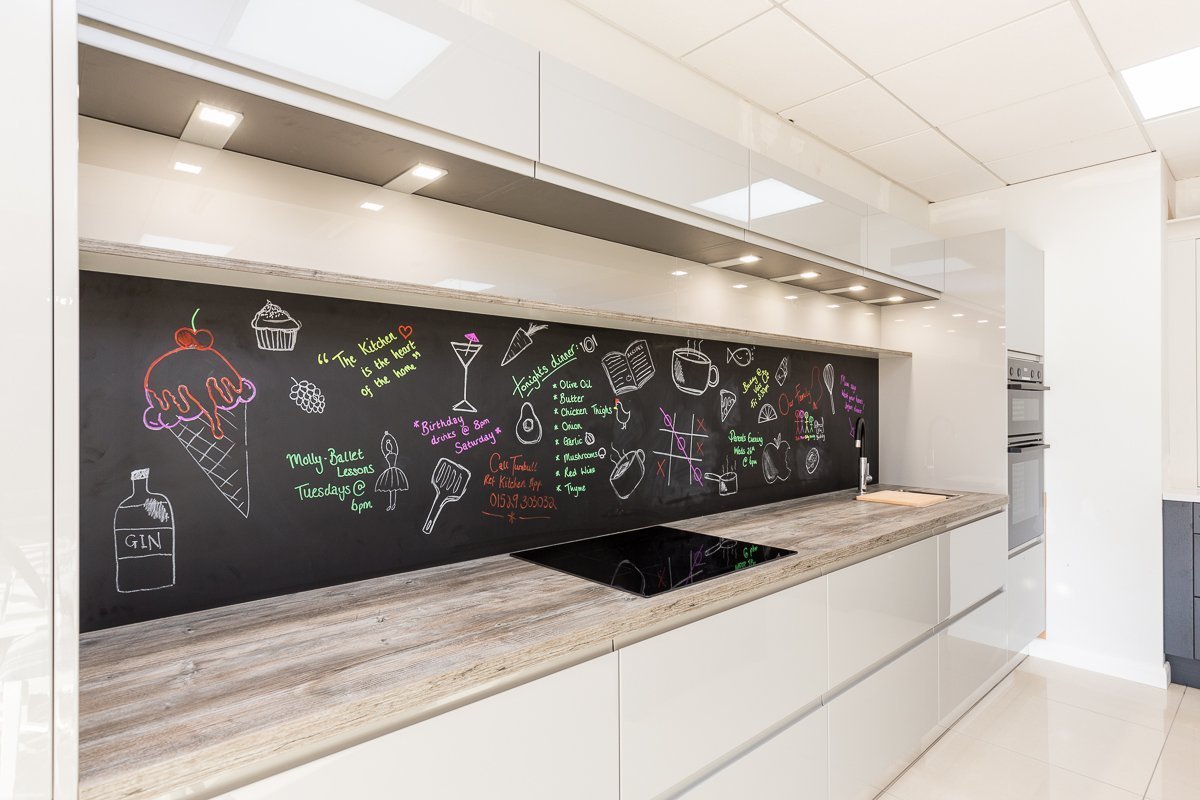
<point>630,370</point>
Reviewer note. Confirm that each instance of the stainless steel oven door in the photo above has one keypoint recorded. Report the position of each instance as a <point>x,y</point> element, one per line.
<point>1026,412</point>
<point>1026,485</point>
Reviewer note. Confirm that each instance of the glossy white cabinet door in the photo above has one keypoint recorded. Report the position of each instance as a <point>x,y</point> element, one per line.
<point>415,60</point>
<point>1026,597</point>
<point>879,605</point>
<point>970,652</point>
<point>880,725</point>
<point>971,562</point>
<point>902,250</point>
<point>1025,286</point>
<point>790,206</point>
<point>598,131</point>
<point>792,766</point>
<point>691,695</point>
<point>553,738</point>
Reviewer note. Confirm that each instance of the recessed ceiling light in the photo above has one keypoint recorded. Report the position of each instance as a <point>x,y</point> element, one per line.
<point>899,320</point>
<point>1165,85</point>
<point>869,313</point>
<point>217,116</point>
<point>414,178</point>
<point>371,206</point>
<point>190,169</point>
<point>790,296</point>
<point>895,298</point>
<point>760,199</point>
<point>679,273</point>
<point>927,325</point>
<point>749,259</point>
<point>210,125</point>
<point>810,274</point>
<point>951,330</point>
<point>833,305</point>
<point>427,172</point>
<point>956,315</point>
<point>928,308</point>
<point>1001,327</point>
<point>981,321</point>
<point>739,286</point>
<point>856,288</point>
<point>463,285</point>
<point>345,42</point>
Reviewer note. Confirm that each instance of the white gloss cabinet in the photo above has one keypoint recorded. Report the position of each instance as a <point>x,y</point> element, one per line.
<point>552,738</point>
<point>1025,296</point>
<point>878,726</point>
<point>691,695</point>
<point>594,129</point>
<point>791,766</point>
<point>879,605</point>
<point>419,61</point>
<point>972,561</point>
<point>1026,597</point>
<point>970,652</point>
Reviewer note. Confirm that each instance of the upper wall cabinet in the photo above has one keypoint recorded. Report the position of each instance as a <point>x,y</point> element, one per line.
<point>789,206</point>
<point>999,271</point>
<point>897,248</point>
<point>600,132</point>
<point>419,61</point>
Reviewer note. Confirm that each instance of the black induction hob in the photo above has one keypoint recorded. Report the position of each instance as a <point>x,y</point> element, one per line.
<point>649,561</point>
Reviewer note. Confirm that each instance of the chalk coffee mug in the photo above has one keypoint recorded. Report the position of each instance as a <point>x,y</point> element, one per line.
<point>627,473</point>
<point>693,372</point>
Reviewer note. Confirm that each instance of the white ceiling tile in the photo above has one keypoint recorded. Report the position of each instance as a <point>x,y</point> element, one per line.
<point>855,117</point>
<point>881,34</point>
<point>968,180</point>
<point>677,26</point>
<point>1177,137</point>
<point>1077,112</point>
<point>1073,155</point>
<point>773,61</point>
<point>1133,33</point>
<point>1035,55</point>
<point>916,157</point>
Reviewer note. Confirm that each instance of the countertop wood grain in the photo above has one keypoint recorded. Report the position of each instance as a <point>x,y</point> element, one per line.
<point>198,704</point>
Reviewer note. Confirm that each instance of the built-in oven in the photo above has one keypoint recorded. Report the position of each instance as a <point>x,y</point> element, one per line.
<point>1026,451</point>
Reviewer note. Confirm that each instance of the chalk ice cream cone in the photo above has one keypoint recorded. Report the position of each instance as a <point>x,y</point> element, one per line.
<point>195,393</point>
<point>224,461</point>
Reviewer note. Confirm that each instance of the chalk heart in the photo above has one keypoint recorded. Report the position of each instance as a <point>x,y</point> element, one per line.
<point>405,331</point>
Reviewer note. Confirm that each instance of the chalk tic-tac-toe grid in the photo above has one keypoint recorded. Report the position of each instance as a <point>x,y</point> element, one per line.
<point>683,447</point>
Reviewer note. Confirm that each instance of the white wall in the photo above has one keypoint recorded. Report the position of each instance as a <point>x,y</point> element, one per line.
<point>1102,232</point>
<point>259,210</point>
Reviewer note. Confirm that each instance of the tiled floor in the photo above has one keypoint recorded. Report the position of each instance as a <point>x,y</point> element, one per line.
<point>1049,732</point>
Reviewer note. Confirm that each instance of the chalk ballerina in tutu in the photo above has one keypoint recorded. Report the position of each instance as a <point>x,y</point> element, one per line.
<point>392,479</point>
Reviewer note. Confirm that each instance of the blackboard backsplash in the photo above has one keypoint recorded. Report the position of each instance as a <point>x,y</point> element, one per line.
<point>240,444</point>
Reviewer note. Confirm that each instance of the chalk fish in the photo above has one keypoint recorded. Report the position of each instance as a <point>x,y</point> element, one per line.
<point>742,356</point>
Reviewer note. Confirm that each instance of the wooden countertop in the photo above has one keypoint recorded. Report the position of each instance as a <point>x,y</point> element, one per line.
<point>198,704</point>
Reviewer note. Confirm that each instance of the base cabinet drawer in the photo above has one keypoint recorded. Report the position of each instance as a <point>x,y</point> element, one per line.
<point>792,766</point>
<point>878,606</point>
<point>691,695</point>
<point>1026,597</point>
<point>971,563</point>
<point>878,727</point>
<point>970,653</point>
<point>553,738</point>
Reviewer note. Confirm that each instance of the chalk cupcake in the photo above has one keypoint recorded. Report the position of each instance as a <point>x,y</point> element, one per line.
<point>274,328</point>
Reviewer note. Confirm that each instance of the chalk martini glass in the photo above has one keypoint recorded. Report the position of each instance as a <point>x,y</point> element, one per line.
<point>466,352</point>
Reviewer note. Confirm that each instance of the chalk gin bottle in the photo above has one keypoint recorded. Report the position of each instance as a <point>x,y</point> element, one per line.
<point>144,535</point>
